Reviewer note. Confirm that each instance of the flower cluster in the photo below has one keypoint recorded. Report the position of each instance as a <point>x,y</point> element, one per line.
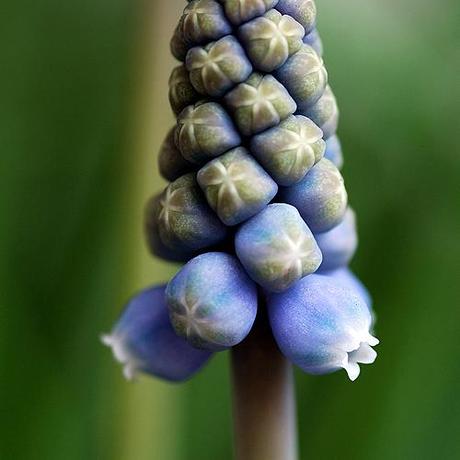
<point>256,205</point>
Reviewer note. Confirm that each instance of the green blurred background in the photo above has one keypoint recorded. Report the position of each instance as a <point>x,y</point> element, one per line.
<point>83,109</point>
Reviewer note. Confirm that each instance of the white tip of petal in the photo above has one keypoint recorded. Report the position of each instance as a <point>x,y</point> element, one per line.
<point>372,341</point>
<point>121,354</point>
<point>365,354</point>
<point>352,369</point>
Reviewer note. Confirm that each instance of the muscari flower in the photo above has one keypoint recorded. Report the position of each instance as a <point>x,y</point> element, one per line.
<point>143,340</point>
<point>322,326</point>
<point>256,203</point>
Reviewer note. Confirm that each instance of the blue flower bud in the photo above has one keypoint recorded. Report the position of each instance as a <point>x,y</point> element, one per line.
<point>322,326</point>
<point>325,113</point>
<point>181,91</point>
<point>314,40</point>
<point>143,340</point>
<point>217,67</point>
<point>239,11</point>
<point>334,151</point>
<point>182,219</point>
<point>277,248</point>
<point>212,302</point>
<point>338,245</point>
<point>304,76</point>
<point>270,39</point>
<point>303,11</point>
<point>259,103</point>
<point>288,151</point>
<point>204,21</point>
<point>236,186</point>
<point>320,197</point>
<point>171,163</point>
<point>204,131</point>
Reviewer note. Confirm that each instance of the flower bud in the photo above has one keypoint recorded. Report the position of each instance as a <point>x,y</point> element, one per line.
<point>303,11</point>
<point>325,113</point>
<point>314,40</point>
<point>155,243</point>
<point>288,151</point>
<point>320,197</point>
<point>270,39</point>
<point>304,76</point>
<point>236,186</point>
<point>212,302</point>
<point>204,131</point>
<point>334,151</point>
<point>322,326</point>
<point>338,245</point>
<point>177,45</point>
<point>218,66</point>
<point>239,11</point>
<point>171,163</point>
<point>277,248</point>
<point>259,103</point>
<point>143,340</point>
<point>181,91</point>
<point>204,21</point>
<point>182,219</point>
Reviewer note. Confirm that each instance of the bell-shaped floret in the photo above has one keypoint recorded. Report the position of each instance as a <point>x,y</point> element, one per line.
<point>277,248</point>
<point>212,302</point>
<point>143,340</point>
<point>322,326</point>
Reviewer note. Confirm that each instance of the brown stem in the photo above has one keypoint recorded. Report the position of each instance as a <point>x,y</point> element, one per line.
<point>263,398</point>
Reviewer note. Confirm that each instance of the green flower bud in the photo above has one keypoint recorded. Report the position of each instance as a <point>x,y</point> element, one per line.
<point>325,113</point>
<point>239,11</point>
<point>204,131</point>
<point>304,76</point>
<point>181,91</point>
<point>236,187</point>
<point>270,39</point>
<point>182,218</point>
<point>288,151</point>
<point>217,67</point>
<point>259,103</point>
<point>204,21</point>
<point>170,161</point>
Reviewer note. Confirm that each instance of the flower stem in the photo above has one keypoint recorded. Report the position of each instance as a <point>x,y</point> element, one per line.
<point>264,409</point>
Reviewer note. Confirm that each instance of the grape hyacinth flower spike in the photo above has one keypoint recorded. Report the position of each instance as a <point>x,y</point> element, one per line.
<point>257,210</point>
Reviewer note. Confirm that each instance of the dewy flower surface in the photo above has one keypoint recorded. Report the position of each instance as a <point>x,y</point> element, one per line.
<point>256,206</point>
